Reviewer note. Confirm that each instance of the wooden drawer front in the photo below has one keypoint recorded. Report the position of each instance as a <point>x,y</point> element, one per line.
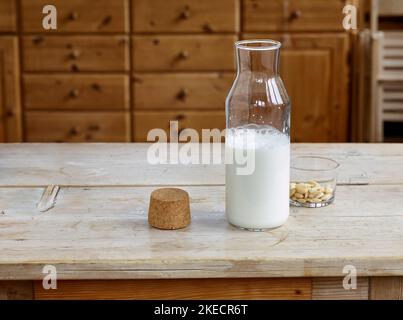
<point>78,15</point>
<point>78,92</point>
<point>185,16</point>
<point>293,15</point>
<point>196,52</point>
<point>76,53</point>
<point>145,121</point>
<point>77,127</point>
<point>8,16</point>
<point>182,91</point>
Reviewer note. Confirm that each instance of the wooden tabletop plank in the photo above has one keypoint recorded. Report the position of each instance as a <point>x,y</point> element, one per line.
<point>127,165</point>
<point>103,233</point>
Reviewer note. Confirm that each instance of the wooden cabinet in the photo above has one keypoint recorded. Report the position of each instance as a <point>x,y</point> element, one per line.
<point>130,65</point>
<point>78,15</point>
<point>315,72</point>
<point>183,53</point>
<point>76,81</point>
<point>76,92</point>
<point>293,15</point>
<point>10,111</point>
<point>76,53</point>
<point>185,16</point>
<point>145,121</point>
<point>181,91</point>
<point>77,126</point>
<point>8,15</point>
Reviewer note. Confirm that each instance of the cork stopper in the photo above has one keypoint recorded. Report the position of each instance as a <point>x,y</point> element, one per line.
<point>169,209</point>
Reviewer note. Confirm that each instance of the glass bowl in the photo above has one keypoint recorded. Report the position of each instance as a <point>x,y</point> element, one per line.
<point>313,181</point>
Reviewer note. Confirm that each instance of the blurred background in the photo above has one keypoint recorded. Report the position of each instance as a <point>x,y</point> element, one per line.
<point>113,70</point>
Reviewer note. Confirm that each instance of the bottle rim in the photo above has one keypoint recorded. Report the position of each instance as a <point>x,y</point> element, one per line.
<point>258,44</point>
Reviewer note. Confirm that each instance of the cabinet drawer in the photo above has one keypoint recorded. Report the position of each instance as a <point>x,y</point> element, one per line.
<point>78,15</point>
<point>76,92</point>
<point>145,121</point>
<point>185,16</point>
<point>181,91</point>
<point>186,52</point>
<point>8,16</point>
<point>76,53</point>
<point>77,127</point>
<point>293,15</point>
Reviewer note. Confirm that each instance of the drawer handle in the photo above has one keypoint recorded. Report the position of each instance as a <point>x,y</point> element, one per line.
<point>183,55</point>
<point>180,117</point>
<point>75,68</point>
<point>74,131</point>
<point>94,127</point>
<point>207,27</point>
<point>74,54</point>
<point>107,20</point>
<point>185,14</point>
<point>182,94</point>
<point>295,14</point>
<point>10,113</point>
<point>73,16</point>
<point>37,40</point>
<point>74,93</point>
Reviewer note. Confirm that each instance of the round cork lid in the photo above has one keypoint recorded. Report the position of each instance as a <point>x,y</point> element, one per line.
<point>169,209</point>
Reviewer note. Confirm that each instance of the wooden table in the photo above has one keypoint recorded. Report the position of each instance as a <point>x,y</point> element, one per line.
<point>98,238</point>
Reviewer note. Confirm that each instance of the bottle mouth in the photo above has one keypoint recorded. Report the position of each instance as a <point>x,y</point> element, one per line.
<point>258,44</point>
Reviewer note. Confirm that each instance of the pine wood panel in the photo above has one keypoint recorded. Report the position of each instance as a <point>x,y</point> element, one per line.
<point>188,289</point>
<point>78,15</point>
<point>16,290</point>
<point>103,233</point>
<point>10,108</point>
<point>332,289</point>
<point>77,126</point>
<point>8,16</point>
<point>175,91</point>
<point>145,121</point>
<point>183,53</point>
<point>386,288</point>
<point>314,70</point>
<point>183,16</point>
<point>76,53</point>
<point>76,92</point>
<point>293,15</point>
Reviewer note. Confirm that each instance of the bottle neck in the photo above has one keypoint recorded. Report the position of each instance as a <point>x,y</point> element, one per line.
<point>262,61</point>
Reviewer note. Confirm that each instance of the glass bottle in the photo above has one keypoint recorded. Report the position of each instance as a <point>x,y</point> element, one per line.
<point>257,139</point>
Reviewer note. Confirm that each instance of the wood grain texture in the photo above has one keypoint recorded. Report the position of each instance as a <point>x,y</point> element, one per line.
<point>78,16</point>
<point>146,121</point>
<point>10,104</point>
<point>185,16</point>
<point>178,91</point>
<point>332,289</point>
<point>77,165</point>
<point>386,288</point>
<point>188,289</point>
<point>293,15</point>
<point>183,53</point>
<point>8,16</point>
<point>315,72</point>
<point>16,290</point>
<point>75,53</point>
<point>76,92</point>
<point>103,233</point>
<point>77,126</point>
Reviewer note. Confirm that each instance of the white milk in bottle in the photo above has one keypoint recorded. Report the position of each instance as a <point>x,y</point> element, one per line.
<point>259,200</point>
